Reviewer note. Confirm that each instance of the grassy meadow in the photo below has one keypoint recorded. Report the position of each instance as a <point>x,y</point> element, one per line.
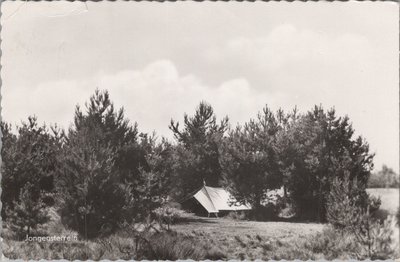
<point>197,238</point>
<point>250,239</point>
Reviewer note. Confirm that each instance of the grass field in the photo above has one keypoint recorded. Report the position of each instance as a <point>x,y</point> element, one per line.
<point>249,239</point>
<point>223,228</point>
<point>389,197</point>
<point>241,239</point>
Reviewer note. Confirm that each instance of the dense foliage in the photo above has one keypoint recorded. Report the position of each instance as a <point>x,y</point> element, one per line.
<point>102,172</point>
<point>251,161</point>
<point>197,150</point>
<point>29,164</point>
<point>111,174</point>
<point>323,148</point>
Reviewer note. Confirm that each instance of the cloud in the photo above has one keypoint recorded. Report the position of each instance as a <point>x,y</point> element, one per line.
<point>303,67</point>
<point>284,67</point>
<point>151,96</point>
<point>287,44</point>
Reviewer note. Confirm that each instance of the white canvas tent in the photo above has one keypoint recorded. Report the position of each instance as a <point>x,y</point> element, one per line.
<point>216,199</point>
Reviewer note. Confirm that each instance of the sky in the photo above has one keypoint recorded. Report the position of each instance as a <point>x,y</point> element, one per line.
<point>159,60</point>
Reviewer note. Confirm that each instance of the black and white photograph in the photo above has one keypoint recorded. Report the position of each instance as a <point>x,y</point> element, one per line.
<point>227,130</point>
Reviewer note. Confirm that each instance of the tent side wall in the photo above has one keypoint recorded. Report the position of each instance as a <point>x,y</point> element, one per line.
<point>191,205</point>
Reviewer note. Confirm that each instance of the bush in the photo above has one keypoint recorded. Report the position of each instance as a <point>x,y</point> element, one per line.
<point>374,203</point>
<point>329,244</point>
<point>236,215</point>
<point>174,246</point>
<point>149,246</point>
<point>332,244</point>
<point>27,214</point>
<point>30,157</point>
<point>344,208</point>
<point>264,213</point>
<point>380,215</point>
<point>169,215</point>
<point>371,230</point>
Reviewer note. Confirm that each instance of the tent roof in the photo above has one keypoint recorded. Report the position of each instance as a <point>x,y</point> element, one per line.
<point>215,199</point>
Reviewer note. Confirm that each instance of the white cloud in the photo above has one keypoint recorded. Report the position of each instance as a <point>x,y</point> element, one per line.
<point>286,45</point>
<point>354,70</point>
<point>346,70</point>
<point>151,96</point>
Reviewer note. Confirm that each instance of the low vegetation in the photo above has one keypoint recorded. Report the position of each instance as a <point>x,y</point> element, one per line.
<point>157,246</point>
<point>208,238</point>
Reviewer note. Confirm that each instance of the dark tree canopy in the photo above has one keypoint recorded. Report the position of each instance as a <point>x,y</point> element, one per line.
<point>324,149</point>
<point>250,159</point>
<point>197,151</point>
<point>28,157</point>
<point>103,160</point>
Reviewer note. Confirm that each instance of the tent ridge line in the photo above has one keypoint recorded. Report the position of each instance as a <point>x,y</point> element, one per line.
<point>209,197</point>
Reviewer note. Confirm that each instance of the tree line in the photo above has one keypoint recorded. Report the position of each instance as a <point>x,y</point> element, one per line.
<point>384,178</point>
<point>103,173</point>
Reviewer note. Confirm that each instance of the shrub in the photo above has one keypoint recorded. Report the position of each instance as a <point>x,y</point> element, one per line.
<point>375,238</point>
<point>287,212</point>
<point>149,246</point>
<point>236,215</point>
<point>169,215</point>
<point>329,244</point>
<point>372,234</point>
<point>27,214</point>
<point>28,157</point>
<point>380,215</point>
<point>345,209</point>
<point>264,213</point>
<point>332,244</point>
<point>174,246</point>
<point>374,203</point>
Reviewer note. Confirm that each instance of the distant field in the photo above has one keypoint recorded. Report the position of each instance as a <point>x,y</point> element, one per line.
<point>389,197</point>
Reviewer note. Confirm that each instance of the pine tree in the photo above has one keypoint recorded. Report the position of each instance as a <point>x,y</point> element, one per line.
<point>101,160</point>
<point>325,149</point>
<point>153,186</point>
<point>373,237</point>
<point>28,213</point>
<point>251,161</point>
<point>30,156</point>
<point>197,152</point>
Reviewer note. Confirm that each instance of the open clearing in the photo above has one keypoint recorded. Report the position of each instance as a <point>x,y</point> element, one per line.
<point>251,240</point>
<point>227,228</point>
<point>248,239</point>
